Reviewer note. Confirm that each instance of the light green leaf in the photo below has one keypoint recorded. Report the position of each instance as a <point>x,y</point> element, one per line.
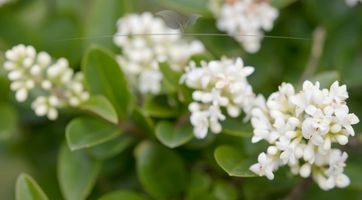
<point>122,194</point>
<point>8,120</point>
<point>233,162</point>
<point>111,148</point>
<point>161,171</point>
<point>77,173</point>
<point>172,136</point>
<point>28,189</point>
<point>100,106</point>
<point>104,76</point>
<point>87,132</point>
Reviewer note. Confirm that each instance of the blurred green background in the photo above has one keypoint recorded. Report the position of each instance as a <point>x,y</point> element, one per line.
<point>30,144</point>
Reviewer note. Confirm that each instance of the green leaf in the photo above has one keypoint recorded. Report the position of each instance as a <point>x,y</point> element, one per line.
<point>111,148</point>
<point>28,189</point>
<point>236,127</point>
<point>77,173</point>
<point>224,191</point>
<point>142,121</point>
<point>8,120</point>
<point>188,6</point>
<point>233,162</point>
<point>160,107</point>
<point>87,132</point>
<point>122,194</point>
<point>171,76</point>
<point>199,185</point>
<point>161,171</point>
<point>100,106</point>
<point>104,76</point>
<point>327,78</point>
<point>282,3</point>
<point>172,136</point>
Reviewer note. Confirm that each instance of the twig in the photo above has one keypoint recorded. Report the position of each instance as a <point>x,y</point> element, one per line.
<point>319,37</point>
<point>298,191</point>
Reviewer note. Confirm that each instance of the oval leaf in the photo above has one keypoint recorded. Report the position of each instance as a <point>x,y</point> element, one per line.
<point>87,132</point>
<point>28,189</point>
<point>122,194</point>
<point>77,173</point>
<point>233,162</point>
<point>161,180</point>
<point>100,106</point>
<point>111,148</point>
<point>103,76</point>
<point>171,136</point>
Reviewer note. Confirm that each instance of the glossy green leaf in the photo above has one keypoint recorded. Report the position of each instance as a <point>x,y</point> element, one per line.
<point>142,121</point>
<point>199,184</point>
<point>122,194</point>
<point>172,136</point>
<point>233,162</point>
<point>160,171</point>
<point>8,120</point>
<point>77,173</point>
<point>111,148</point>
<point>103,76</point>
<point>28,189</point>
<point>86,132</point>
<point>100,106</point>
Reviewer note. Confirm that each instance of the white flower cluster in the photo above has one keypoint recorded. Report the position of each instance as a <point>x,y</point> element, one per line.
<point>353,2</point>
<point>146,41</point>
<point>301,128</point>
<point>245,20</point>
<point>54,84</point>
<point>218,84</point>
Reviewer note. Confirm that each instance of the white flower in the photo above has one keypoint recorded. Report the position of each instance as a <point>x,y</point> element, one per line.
<point>54,83</point>
<point>142,52</point>
<point>302,127</point>
<point>245,20</point>
<point>353,2</point>
<point>218,84</point>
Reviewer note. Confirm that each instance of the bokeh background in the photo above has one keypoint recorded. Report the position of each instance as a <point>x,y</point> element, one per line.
<point>30,144</point>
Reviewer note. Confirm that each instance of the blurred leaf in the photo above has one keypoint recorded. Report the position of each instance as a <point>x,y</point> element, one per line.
<point>237,127</point>
<point>233,162</point>
<point>172,136</point>
<point>104,76</point>
<point>282,3</point>
<point>111,148</point>
<point>160,107</point>
<point>160,170</point>
<point>100,106</point>
<point>142,121</point>
<point>77,173</point>
<point>28,189</point>
<point>224,191</point>
<point>188,6</point>
<point>199,185</point>
<point>87,132</point>
<point>8,120</point>
<point>326,79</point>
<point>171,76</point>
<point>353,171</point>
<point>122,194</point>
